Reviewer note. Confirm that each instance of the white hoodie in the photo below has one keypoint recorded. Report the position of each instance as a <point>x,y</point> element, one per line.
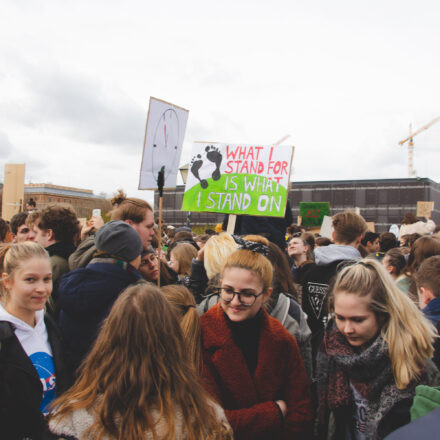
<point>35,343</point>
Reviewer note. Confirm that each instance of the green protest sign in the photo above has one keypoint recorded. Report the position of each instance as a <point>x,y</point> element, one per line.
<point>238,179</point>
<point>312,213</point>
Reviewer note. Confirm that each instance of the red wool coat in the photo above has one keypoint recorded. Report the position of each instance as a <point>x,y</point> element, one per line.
<point>249,402</point>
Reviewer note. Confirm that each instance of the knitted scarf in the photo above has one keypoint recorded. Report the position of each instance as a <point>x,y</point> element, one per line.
<point>369,372</point>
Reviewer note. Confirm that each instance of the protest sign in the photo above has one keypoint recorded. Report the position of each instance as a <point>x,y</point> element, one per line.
<point>312,213</point>
<point>238,179</point>
<point>424,209</point>
<point>371,226</point>
<point>164,133</point>
<point>326,227</point>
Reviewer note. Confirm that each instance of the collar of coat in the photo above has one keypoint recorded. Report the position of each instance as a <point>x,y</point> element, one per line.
<point>217,333</point>
<point>230,365</point>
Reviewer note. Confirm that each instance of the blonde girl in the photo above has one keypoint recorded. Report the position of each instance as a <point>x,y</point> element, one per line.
<point>181,257</point>
<point>373,355</point>
<point>31,368</point>
<point>251,364</point>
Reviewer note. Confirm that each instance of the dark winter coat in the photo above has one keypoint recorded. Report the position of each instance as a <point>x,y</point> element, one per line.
<point>426,427</point>
<point>249,400</point>
<point>86,296</point>
<point>59,253</point>
<point>315,285</point>
<point>20,387</point>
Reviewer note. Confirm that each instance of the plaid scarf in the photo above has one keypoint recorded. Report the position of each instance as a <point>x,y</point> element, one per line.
<point>369,372</point>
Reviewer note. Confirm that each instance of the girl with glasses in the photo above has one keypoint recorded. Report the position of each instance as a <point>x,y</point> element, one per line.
<point>373,354</point>
<point>251,364</point>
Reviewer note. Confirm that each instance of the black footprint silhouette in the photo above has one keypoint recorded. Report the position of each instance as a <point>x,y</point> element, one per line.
<point>196,163</point>
<point>213,154</point>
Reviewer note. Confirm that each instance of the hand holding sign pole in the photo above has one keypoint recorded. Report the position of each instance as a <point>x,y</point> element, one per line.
<point>160,184</point>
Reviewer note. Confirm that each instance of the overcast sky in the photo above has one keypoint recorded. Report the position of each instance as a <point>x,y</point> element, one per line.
<point>343,78</point>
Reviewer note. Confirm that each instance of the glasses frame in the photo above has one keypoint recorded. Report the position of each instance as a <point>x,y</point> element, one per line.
<point>227,301</point>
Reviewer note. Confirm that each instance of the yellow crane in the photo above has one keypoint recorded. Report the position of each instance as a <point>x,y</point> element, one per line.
<point>409,139</point>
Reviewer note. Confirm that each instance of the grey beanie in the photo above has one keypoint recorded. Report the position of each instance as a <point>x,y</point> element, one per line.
<point>119,239</point>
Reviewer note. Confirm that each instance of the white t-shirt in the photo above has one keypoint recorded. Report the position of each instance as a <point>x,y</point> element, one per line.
<point>35,343</point>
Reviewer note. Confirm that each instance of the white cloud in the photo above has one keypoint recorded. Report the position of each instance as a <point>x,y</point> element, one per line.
<point>343,78</point>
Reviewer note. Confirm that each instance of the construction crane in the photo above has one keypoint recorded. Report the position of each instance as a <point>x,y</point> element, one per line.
<point>409,139</point>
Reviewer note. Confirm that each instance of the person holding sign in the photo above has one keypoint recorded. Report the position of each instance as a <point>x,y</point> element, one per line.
<point>251,364</point>
<point>413,225</point>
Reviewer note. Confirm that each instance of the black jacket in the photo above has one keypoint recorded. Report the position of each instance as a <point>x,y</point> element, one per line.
<point>315,286</point>
<point>20,387</point>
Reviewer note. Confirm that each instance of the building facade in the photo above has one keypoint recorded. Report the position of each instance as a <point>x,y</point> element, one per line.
<point>83,201</point>
<point>383,201</point>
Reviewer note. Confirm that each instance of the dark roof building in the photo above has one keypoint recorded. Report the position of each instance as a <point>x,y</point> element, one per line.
<point>383,201</point>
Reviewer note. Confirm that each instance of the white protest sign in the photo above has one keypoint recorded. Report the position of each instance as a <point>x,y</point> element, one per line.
<point>326,227</point>
<point>164,133</point>
<point>238,179</point>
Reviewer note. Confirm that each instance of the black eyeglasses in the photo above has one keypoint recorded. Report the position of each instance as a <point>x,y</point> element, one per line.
<point>246,299</point>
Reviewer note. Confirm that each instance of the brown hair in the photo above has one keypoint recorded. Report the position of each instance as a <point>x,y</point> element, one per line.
<point>32,218</point>
<point>185,307</point>
<point>282,276</point>
<point>144,365</point>
<point>62,220</point>
<point>17,220</point>
<point>423,248</point>
<point>396,260</point>
<point>184,253</point>
<point>428,275</point>
<point>322,241</point>
<point>409,218</point>
<point>387,241</point>
<point>348,226</point>
<point>4,229</point>
<point>129,208</point>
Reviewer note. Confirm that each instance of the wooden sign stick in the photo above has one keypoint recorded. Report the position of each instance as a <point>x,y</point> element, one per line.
<point>160,184</point>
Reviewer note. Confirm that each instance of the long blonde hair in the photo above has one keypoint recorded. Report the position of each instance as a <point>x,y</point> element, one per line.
<point>408,334</point>
<point>185,307</point>
<point>217,249</point>
<point>138,363</point>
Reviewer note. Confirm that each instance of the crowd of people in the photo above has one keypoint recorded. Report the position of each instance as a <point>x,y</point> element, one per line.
<point>118,330</point>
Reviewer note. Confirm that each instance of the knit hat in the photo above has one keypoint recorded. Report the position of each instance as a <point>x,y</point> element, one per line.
<point>119,239</point>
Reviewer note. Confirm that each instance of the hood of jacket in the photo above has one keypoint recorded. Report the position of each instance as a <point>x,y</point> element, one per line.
<point>89,290</point>
<point>325,255</point>
<point>432,311</point>
<point>22,330</point>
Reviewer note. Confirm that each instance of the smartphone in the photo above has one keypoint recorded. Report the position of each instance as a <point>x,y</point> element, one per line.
<point>96,213</point>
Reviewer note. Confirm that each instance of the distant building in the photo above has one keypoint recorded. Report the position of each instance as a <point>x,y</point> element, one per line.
<point>383,201</point>
<point>83,201</point>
